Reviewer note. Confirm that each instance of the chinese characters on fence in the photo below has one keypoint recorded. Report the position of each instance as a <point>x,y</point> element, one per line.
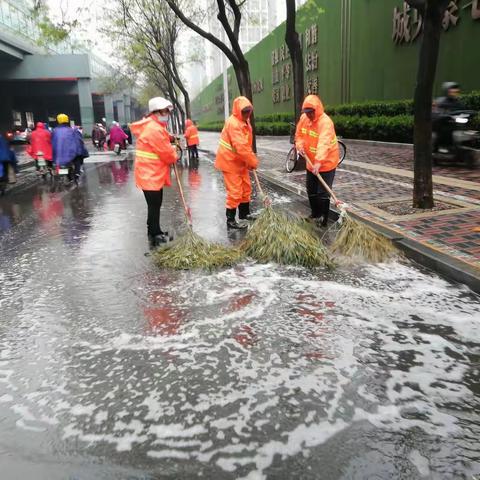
<point>408,22</point>
<point>258,86</point>
<point>282,74</point>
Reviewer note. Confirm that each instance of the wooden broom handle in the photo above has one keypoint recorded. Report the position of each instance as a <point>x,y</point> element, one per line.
<point>182,196</point>
<point>322,181</point>
<point>266,200</point>
<point>257,181</point>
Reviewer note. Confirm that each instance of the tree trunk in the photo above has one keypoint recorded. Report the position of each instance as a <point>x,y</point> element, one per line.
<point>242,74</point>
<point>422,183</point>
<point>186,98</point>
<point>293,42</point>
<point>234,54</point>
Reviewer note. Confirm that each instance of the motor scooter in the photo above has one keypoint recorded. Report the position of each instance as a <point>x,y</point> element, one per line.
<point>465,142</point>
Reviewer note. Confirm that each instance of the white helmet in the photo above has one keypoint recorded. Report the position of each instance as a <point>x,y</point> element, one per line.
<point>159,103</point>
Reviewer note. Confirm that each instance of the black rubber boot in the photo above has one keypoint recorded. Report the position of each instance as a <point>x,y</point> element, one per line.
<point>244,212</point>
<point>325,209</point>
<point>315,206</point>
<point>231,222</point>
<point>162,237</point>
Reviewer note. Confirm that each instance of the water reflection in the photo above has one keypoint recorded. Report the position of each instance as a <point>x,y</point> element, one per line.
<point>161,309</point>
<point>120,171</point>
<point>104,173</point>
<point>5,220</point>
<point>79,221</point>
<point>49,207</point>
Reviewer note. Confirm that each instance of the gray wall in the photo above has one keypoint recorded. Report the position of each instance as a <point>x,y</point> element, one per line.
<point>42,67</point>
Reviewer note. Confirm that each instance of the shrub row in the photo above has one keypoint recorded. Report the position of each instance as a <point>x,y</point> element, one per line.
<point>382,121</point>
<point>382,128</point>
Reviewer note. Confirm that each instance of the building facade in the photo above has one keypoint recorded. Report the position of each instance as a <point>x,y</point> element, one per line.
<point>352,53</point>
<point>37,82</point>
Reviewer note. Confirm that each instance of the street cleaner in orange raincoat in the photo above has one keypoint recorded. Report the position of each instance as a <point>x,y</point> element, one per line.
<point>192,138</point>
<point>154,156</point>
<point>315,140</point>
<point>235,158</point>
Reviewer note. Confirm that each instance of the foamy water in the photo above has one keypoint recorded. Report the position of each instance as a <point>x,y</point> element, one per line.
<point>112,369</point>
<point>238,373</point>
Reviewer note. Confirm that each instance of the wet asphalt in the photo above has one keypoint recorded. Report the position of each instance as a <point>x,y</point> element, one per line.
<point>111,368</point>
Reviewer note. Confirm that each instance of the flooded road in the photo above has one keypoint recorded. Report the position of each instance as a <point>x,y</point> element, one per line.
<point>113,369</point>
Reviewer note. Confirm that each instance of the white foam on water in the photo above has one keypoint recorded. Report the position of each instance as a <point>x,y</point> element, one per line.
<point>175,454</point>
<point>421,463</point>
<point>268,362</point>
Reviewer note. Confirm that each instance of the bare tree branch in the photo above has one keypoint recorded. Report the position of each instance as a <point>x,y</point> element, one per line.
<point>208,36</point>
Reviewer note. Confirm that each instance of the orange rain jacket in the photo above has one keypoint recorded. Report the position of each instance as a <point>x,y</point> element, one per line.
<point>154,154</point>
<point>317,138</point>
<point>235,154</point>
<point>191,133</point>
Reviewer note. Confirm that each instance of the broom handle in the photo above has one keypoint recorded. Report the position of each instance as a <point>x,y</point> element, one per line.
<point>182,196</point>
<point>322,181</point>
<point>259,186</point>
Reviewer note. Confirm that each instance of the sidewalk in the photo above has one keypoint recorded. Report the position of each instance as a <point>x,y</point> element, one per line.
<point>373,175</point>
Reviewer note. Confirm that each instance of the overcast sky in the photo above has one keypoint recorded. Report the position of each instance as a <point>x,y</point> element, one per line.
<point>91,15</point>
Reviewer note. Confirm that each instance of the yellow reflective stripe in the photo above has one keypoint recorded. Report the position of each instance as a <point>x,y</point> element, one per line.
<point>193,136</point>
<point>223,143</point>
<point>304,130</point>
<point>149,155</point>
<point>313,134</point>
<point>312,149</point>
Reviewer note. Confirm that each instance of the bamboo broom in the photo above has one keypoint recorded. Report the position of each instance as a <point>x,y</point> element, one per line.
<point>192,252</point>
<point>275,237</point>
<point>355,238</point>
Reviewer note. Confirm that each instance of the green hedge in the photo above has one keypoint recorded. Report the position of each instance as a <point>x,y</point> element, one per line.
<point>382,128</point>
<point>382,121</point>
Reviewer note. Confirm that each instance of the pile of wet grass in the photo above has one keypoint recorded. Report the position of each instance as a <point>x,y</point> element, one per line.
<point>276,237</point>
<point>192,252</point>
<point>354,239</point>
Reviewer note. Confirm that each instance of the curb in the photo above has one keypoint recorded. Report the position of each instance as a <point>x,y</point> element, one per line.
<point>353,141</point>
<point>443,264</point>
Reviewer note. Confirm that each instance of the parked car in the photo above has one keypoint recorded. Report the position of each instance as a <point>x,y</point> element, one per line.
<point>18,135</point>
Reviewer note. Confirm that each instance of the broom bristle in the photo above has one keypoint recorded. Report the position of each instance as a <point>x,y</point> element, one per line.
<point>274,237</point>
<point>357,239</point>
<point>192,252</point>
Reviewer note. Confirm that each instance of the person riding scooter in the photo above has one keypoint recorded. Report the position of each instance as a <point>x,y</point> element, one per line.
<point>453,140</point>
<point>442,109</point>
<point>8,165</point>
<point>99,136</point>
<point>40,149</point>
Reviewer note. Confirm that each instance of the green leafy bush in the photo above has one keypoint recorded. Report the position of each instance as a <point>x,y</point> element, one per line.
<point>373,109</point>
<point>382,128</point>
<point>382,121</point>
